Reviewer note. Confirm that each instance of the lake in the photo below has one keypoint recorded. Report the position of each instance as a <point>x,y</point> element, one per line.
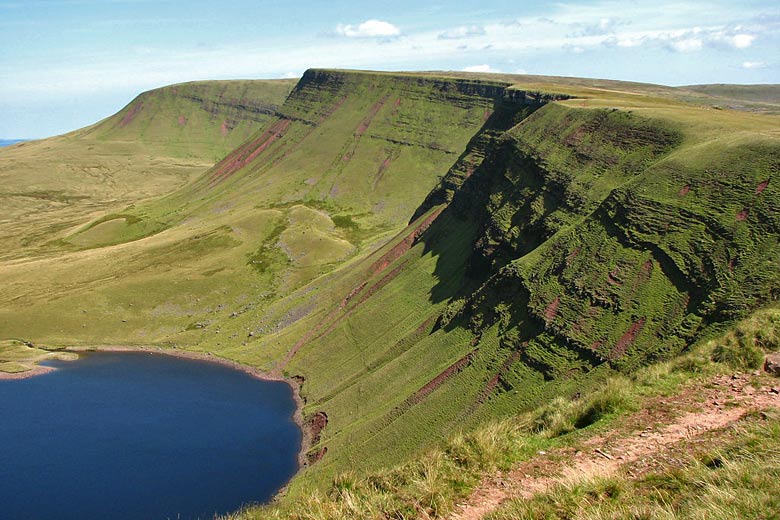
<point>137,435</point>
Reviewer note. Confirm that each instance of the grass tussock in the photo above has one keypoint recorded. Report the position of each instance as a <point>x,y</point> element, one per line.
<point>744,347</point>
<point>561,416</point>
<point>741,480</point>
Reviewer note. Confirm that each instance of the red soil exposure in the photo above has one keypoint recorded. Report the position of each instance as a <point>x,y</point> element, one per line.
<point>647,267</point>
<point>130,115</point>
<point>761,187</point>
<point>493,382</point>
<point>386,279</point>
<point>627,339</point>
<point>315,424</point>
<point>425,325</point>
<point>381,171</point>
<point>596,345</point>
<point>437,381</point>
<point>742,215</point>
<point>552,309</point>
<point>182,120</point>
<point>311,458</point>
<point>223,128</point>
<point>486,115</point>
<point>352,294</point>
<point>644,274</point>
<point>346,157</point>
<point>248,152</point>
<point>612,278</point>
<point>404,245</point>
<point>363,126</point>
<point>574,254</point>
<point>396,104</point>
<point>732,263</point>
<point>331,110</point>
<point>684,191</point>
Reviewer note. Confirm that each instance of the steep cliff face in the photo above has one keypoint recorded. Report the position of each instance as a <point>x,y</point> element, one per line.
<point>564,243</point>
<point>620,250</point>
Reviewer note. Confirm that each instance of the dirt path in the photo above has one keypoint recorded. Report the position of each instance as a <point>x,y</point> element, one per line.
<point>655,435</point>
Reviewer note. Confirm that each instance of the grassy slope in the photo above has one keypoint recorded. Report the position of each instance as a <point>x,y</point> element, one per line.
<point>273,257</point>
<point>351,165</point>
<point>158,142</point>
<point>556,183</point>
<point>654,398</point>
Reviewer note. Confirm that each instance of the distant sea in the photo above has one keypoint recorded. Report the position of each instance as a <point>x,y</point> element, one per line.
<point>9,142</point>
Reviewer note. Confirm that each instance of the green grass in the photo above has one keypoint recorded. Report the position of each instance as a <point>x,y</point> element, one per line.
<point>582,238</point>
<point>432,482</point>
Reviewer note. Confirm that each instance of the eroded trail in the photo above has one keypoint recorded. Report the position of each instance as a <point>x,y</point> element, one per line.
<point>664,432</point>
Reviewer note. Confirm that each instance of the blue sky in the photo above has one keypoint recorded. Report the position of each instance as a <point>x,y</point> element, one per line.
<point>65,64</point>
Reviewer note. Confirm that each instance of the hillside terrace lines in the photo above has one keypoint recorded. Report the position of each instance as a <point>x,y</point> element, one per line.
<point>336,316</point>
<point>429,387</point>
<point>405,244</point>
<point>401,346</point>
<point>333,318</point>
<point>363,126</point>
<point>248,152</point>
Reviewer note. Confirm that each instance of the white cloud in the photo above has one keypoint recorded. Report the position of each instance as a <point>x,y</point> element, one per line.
<point>741,41</point>
<point>291,75</point>
<point>753,64</point>
<point>369,29</point>
<point>480,68</point>
<point>464,31</point>
<point>687,44</point>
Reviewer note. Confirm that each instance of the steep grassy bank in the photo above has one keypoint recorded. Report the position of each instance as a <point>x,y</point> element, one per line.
<point>588,240</point>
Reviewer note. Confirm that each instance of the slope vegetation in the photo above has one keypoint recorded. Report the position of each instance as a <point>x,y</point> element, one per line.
<point>424,252</point>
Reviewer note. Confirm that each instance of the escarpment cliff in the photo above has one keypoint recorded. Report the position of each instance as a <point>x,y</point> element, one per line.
<point>421,252</point>
<point>564,243</point>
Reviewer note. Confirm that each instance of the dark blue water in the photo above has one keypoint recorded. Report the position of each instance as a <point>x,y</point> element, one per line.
<point>142,436</point>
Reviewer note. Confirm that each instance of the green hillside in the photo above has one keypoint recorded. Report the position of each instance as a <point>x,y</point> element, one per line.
<point>157,143</point>
<point>420,252</point>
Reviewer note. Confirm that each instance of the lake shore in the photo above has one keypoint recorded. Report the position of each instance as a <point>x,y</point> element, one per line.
<point>295,384</point>
<point>36,370</point>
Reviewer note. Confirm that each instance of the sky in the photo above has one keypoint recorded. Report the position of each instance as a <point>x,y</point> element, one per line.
<point>65,64</point>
